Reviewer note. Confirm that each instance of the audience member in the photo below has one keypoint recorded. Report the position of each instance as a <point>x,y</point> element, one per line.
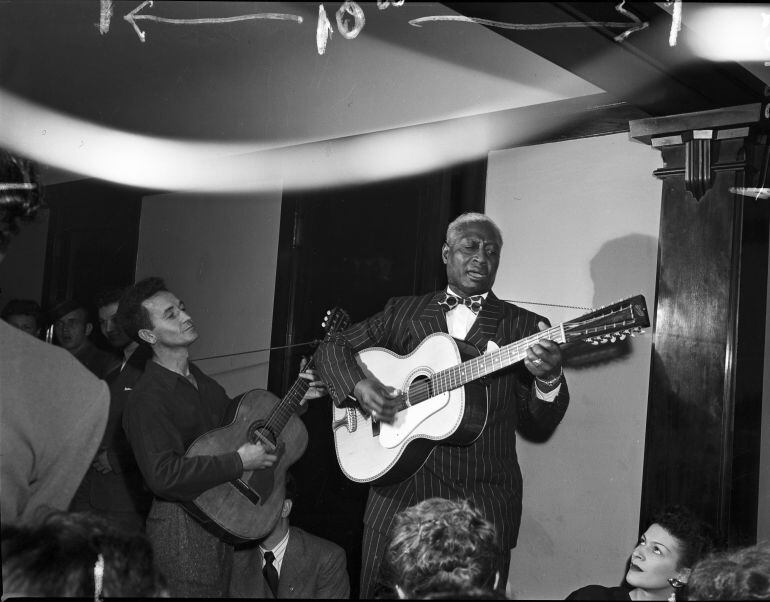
<point>113,486</point>
<point>441,548</point>
<point>78,555</point>
<point>733,575</point>
<point>305,566</point>
<point>71,326</point>
<point>661,562</point>
<point>24,314</point>
<point>171,405</point>
<point>52,410</point>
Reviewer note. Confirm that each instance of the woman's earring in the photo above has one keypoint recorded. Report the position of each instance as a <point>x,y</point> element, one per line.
<point>676,584</point>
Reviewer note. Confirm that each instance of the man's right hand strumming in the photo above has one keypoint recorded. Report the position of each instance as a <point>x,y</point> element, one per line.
<point>254,456</point>
<point>377,399</point>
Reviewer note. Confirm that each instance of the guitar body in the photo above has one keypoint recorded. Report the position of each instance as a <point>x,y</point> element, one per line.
<point>248,508</point>
<point>443,399</point>
<point>380,453</point>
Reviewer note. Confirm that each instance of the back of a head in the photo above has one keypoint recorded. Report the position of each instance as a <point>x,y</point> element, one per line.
<point>441,547</point>
<point>65,554</point>
<point>734,575</point>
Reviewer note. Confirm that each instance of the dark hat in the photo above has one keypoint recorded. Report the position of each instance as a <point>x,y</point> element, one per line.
<point>62,308</point>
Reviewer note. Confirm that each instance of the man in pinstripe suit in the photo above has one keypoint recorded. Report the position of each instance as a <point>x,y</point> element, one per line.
<point>532,396</point>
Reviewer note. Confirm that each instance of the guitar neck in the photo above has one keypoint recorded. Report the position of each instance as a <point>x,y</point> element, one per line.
<point>291,402</point>
<point>487,363</point>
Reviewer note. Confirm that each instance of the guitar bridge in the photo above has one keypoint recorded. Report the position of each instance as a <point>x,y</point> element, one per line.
<point>245,490</point>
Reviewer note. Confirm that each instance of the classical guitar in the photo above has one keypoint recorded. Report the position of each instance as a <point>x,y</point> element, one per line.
<point>435,406</point>
<point>247,508</point>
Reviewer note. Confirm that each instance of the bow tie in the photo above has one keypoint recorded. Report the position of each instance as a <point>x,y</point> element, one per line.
<point>450,301</point>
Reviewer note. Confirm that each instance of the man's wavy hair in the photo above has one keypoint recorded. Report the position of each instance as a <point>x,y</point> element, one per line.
<point>19,195</point>
<point>132,316</point>
<point>733,575</point>
<point>442,547</point>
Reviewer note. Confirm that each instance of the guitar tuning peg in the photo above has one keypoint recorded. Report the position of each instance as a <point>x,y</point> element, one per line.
<point>613,339</point>
<point>622,336</point>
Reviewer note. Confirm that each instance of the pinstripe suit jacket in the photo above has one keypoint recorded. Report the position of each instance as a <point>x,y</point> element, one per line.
<point>486,471</point>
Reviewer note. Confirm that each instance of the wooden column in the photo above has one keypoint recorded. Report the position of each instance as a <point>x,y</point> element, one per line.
<point>704,407</point>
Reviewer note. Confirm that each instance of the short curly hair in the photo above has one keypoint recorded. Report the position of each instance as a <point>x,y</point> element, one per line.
<point>20,196</point>
<point>440,546</point>
<point>693,535</point>
<point>454,229</point>
<point>733,575</point>
<point>57,557</point>
<point>132,316</point>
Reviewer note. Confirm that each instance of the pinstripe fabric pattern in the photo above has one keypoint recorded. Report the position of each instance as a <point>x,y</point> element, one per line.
<point>485,472</point>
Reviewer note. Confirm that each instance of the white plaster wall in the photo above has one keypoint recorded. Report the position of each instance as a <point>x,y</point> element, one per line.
<point>580,220</point>
<point>218,254</point>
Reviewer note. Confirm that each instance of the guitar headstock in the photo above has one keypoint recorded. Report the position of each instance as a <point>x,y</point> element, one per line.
<point>335,319</point>
<point>609,323</point>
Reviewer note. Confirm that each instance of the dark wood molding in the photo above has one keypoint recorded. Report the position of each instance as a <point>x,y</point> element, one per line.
<point>704,406</point>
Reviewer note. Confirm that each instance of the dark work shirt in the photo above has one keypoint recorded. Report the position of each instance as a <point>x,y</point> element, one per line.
<point>165,413</point>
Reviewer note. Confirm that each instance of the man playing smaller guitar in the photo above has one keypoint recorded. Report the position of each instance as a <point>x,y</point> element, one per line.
<point>172,404</point>
<point>532,396</point>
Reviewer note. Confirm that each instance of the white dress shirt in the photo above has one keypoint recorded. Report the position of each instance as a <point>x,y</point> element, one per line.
<point>279,551</point>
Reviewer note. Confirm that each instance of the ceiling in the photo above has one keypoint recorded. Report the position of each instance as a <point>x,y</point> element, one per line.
<point>261,82</point>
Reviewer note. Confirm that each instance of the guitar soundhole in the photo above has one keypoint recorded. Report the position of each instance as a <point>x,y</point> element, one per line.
<point>419,389</point>
<point>259,432</point>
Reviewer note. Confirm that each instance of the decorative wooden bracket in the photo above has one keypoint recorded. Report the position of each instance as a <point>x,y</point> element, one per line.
<point>697,165</point>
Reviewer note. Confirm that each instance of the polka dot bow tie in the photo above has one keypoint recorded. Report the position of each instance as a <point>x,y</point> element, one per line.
<point>450,301</point>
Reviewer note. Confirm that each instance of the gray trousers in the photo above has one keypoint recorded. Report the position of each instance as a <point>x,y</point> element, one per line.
<point>195,563</point>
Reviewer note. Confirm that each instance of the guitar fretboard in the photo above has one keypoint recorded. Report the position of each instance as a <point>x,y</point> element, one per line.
<point>289,405</point>
<point>478,367</point>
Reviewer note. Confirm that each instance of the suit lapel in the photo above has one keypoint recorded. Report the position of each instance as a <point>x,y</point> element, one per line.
<point>485,326</point>
<point>431,319</point>
<point>293,567</point>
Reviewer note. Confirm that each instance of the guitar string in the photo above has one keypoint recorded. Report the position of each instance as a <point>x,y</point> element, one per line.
<point>318,341</point>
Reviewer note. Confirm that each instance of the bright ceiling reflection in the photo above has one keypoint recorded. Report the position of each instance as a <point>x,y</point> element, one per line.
<point>93,150</point>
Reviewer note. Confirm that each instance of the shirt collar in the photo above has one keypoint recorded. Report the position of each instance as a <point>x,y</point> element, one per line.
<point>278,549</point>
<point>129,349</point>
<point>166,376</point>
<point>452,292</point>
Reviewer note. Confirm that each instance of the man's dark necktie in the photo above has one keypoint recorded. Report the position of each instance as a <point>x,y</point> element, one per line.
<point>271,575</point>
<point>450,301</point>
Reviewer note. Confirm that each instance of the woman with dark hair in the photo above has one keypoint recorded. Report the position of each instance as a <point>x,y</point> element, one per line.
<point>661,562</point>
